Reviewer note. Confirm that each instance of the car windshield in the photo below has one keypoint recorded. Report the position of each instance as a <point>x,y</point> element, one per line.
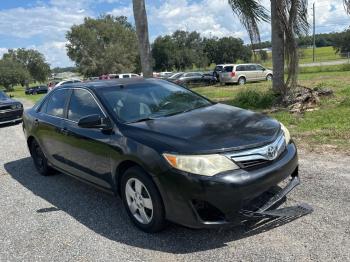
<point>145,101</point>
<point>3,96</point>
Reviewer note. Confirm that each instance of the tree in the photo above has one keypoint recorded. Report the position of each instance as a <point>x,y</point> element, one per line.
<point>263,55</point>
<point>12,73</point>
<point>104,45</point>
<point>141,23</point>
<point>342,43</point>
<point>32,60</point>
<point>183,50</point>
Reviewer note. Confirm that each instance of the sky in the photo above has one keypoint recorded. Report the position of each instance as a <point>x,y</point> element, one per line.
<point>42,24</point>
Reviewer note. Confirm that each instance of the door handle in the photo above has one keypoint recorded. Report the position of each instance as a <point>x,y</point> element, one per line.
<point>64,131</point>
<point>36,122</point>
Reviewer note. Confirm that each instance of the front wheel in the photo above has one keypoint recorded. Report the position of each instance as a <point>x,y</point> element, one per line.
<point>269,77</point>
<point>142,200</point>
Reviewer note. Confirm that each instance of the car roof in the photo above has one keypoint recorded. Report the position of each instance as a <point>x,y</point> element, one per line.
<point>112,83</point>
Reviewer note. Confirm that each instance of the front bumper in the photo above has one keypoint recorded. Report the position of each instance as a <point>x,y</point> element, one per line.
<point>199,201</point>
<point>10,116</point>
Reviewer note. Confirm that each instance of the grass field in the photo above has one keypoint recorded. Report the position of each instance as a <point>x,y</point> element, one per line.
<point>322,54</point>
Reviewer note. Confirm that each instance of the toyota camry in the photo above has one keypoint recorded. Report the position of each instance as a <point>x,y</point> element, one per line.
<point>169,153</point>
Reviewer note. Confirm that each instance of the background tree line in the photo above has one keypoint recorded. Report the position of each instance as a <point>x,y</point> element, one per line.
<point>22,66</point>
<point>182,50</point>
<point>321,40</point>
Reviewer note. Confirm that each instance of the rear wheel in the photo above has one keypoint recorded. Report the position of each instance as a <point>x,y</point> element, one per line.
<point>241,81</point>
<point>142,200</point>
<point>40,161</point>
<point>269,77</point>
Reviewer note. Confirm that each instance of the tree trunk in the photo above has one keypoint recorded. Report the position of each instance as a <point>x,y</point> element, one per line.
<point>277,40</point>
<point>142,35</point>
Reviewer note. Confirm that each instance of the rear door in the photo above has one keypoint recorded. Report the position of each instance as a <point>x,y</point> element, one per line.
<point>49,126</point>
<point>87,152</point>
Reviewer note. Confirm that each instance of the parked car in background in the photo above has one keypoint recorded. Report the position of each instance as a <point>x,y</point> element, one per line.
<point>64,82</point>
<point>242,73</point>
<point>170,153</point>
<point>10,110</point>
<point>165,75</point>
<point>42,89</point>
<point>175,76</point>
<point>127,75</point>
<point>193,79</point>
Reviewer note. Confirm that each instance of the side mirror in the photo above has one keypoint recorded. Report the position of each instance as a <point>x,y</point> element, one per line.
<point>94,121</point>
<point>11,96</point>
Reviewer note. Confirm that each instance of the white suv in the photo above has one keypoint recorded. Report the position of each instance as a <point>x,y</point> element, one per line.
<point>242,73</point>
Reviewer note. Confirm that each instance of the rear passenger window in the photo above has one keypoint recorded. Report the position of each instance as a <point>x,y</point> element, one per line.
<point>55,105</point>
<point>240,68</point>
<point>228,69</point>
<point>251,68</point>
<point>126,76</point>
<point>82,104</point>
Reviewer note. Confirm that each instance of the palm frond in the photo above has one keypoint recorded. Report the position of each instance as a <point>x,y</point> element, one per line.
<point>347,6</point>
<point>250,13</point>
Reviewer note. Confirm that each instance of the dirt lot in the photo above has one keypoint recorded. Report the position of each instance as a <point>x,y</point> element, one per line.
<point>59,218</point>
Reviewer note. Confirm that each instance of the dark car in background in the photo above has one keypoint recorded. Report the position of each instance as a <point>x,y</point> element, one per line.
<point>192,79</point>
<point>42,89</point>
<point>10,110</point>
<point>170,153</point>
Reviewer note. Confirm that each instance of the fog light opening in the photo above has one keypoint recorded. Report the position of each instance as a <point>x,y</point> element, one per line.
<point>207,212</point>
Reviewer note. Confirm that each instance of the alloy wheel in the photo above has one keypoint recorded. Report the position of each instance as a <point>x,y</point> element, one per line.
<point>139,201</point>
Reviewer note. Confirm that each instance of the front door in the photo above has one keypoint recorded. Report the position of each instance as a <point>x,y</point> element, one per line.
<point>87,153</point>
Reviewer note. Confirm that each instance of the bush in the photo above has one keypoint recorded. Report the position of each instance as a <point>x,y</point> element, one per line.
<point>252,99</point>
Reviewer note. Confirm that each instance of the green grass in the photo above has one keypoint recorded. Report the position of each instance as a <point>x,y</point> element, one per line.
<point>328,125</point>
<point>322,54</point>
<point>18,93</point>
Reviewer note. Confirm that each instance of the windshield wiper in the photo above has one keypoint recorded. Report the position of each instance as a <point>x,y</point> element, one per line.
<point>141,120</point>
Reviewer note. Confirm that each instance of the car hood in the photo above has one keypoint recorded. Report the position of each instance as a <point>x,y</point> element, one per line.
<point>217,128</point>
<point>7,101</point>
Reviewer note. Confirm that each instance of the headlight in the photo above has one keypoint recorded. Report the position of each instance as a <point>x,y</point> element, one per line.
<point>18,106</point>
<point>286,133</point>
<point>205,165</point>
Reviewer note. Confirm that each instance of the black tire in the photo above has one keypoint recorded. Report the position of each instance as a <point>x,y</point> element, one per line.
<point>242,81</point>
<point>40,161</point>
<point>269,77</point>
<point>157,222</point>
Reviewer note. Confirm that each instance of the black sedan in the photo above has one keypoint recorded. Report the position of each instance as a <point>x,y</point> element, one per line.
<point>168,152</point>
<point>10,110</point>
<point>36,90</point>
<point>192,79</point>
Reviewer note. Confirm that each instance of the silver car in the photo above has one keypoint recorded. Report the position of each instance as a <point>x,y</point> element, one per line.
<point>242,73</point>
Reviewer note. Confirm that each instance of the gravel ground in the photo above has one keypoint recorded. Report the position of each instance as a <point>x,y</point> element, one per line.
<point>59,218</point>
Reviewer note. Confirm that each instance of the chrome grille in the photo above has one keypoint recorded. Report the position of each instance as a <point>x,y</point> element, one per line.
<point>259,156</point>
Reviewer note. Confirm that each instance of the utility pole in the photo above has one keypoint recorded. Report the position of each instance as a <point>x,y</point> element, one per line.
<point>314,37</point>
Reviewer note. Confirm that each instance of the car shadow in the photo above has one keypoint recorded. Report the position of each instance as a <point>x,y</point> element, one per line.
<point>10,124</point>
<point>104,214</point>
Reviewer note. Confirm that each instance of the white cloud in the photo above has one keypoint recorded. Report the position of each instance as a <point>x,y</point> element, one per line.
<point>55,53</point>
<point>3,50</point>
<point>211,18</point>
<point>49,22</point>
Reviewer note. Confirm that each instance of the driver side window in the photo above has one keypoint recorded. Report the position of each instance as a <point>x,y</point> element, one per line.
<point>82,104</point>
